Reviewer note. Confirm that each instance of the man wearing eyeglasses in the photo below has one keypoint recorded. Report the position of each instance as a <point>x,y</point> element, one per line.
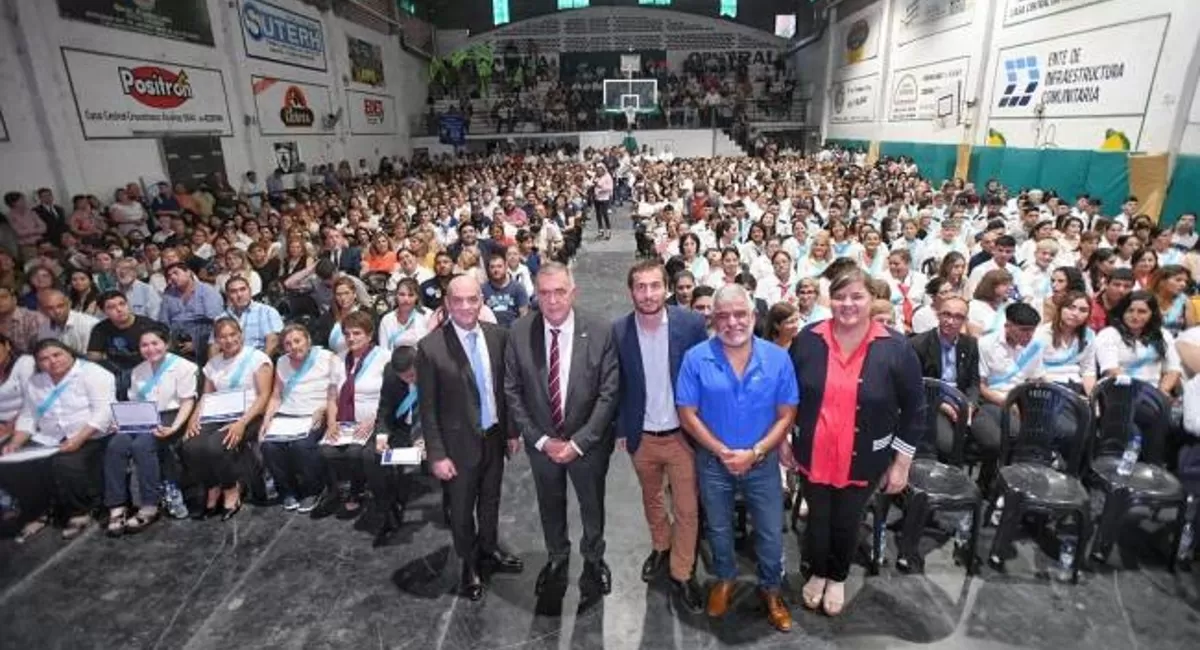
<point>948,354</point>
<point>737,397</point>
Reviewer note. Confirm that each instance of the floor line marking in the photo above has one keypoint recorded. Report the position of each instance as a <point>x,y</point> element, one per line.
<point>51,561</point>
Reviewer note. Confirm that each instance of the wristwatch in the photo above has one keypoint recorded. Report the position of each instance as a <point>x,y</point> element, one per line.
<point>759,454</point>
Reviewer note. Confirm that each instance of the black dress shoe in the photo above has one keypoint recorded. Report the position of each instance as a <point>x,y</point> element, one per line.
<point>470,586</point>
<point>389,523</point>
<point>688,594</point>
<point>504,562</point>
<point>328,505</point>
<point>598,574</point>
<point>554,572</point>
<point>654,564</point>
<point>230,512</point>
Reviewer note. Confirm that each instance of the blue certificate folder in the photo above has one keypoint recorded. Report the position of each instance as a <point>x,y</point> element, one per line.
<point>135,417</point>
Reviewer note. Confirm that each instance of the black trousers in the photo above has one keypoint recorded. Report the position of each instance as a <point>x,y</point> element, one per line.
<point>208,463</point>
<point>474,499</point>
<point>31,484</point>
<point>346,463</point>
<point>831,533</point>
<point>390,485</point>
<point>602,220</point>
<point>588,474</point>
<point>71,480</point>
<point>296,465</point>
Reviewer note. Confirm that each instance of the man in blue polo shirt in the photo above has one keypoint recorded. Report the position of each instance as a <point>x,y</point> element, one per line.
<point>261,324</point>
<point>737,397</point>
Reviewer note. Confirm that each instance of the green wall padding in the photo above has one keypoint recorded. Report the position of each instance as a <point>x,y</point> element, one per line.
<point>850,144</point>
<point>1103,174</point>
<point>1183,193</point>
<point>1108,179</point>
<point>935,161</point>
<point>1067,172</point>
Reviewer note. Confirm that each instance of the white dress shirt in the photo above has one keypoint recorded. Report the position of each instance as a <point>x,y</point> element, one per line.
<point>178,383</point>
<point>998,363</point>
<point>393,333</point>
<point>1068,363</point>
<point>75,333</point>
<point>12,391</point>
<point>86,401</point>
<point>310,392</point>
<point>220,371</point>
<point>368,383</point>
<point>566,343</point>
<point>481,343</point>
<point>1146,364</point>
<point>655,348</point>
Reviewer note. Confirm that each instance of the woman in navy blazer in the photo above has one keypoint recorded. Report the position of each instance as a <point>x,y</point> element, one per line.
<point>859,421</point>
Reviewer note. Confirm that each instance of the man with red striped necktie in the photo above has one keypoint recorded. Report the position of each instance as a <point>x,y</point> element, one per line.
<point>561,383</point>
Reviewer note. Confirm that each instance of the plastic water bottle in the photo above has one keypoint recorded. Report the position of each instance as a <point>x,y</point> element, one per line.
<point>1130,457</point>
<point>998,511</point>
<point>881,540</point>
<point>1187,537</point>
<point>1066,558</point>
<point>8,506</point>
<point>174,500</point>
<point>272,493</point>
<point>962,531</point>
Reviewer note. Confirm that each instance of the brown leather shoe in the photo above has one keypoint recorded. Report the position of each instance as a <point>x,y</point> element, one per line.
<point>777,611</point>
<point>718,598</point>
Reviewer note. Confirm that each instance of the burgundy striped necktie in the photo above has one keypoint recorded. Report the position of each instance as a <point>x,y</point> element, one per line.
<point>556,406</point>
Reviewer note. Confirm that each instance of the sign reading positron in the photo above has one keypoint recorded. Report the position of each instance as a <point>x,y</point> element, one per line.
<point>1023,11</point>
<point>290,107</point>
<point>181,20</point>
<point>853,100</point>
<point>117,97</point>
<point>921,18</point>
<point>858,35</point>
<point>371,114</point>
<point>915,89</point>
<point>366,62</point>
<point>1104,72</point>
<point>276,34</point>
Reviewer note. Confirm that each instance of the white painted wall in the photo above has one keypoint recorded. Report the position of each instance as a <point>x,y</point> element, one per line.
<point>1159,73</point>
<point>1190,142</point>
<point>46,144</point>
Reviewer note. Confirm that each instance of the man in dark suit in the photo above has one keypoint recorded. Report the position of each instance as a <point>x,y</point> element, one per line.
<point>345,258</point>
<point>53,215</point>
<point>460,374</point>
<point>561,381</point>
<point>650,345</point>
<point>936,348</point>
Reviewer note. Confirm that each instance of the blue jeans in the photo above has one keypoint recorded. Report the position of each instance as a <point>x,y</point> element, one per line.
<point>762,489</point>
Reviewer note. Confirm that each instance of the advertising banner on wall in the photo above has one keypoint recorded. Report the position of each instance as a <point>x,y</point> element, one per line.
<point>858,35</point>
<point>371,114</point>
<point>853,100</point>
<point>915,89</point>
<point>118,97</point>
<point>366,62</point>
<point>290,107</point>
<point>1023,11</point>
<point>452,129</point>
<point>1100,72</point>
<point>921,18</point>
<point>679,60</point>
<point>181,20</point>
<point>277,34</point>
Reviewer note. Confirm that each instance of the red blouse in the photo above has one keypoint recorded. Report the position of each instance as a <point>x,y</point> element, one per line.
<point>833,439</point>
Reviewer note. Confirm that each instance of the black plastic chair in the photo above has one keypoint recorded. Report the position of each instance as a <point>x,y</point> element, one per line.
<point>1039,469</point>
<point>1116,401</point>
<point>934,486</point>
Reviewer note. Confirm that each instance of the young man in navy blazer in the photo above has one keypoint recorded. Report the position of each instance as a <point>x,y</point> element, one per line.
<point>651,342</point>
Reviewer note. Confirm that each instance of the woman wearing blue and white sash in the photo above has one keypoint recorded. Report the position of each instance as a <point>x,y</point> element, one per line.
<point>215,448</point>
<point>840,244</point>
<point>327,330</point>
<point>302,410</point>
<point>873,256</point>
<point>1007,357</point>
<point>344,449</point>
<point>985,312</point>
<point>818,258</point>
<point>1068,344</point>
<point>15,371</point>
<point>1136,344</point>
<point>407,323</point>
<point>169,382</point>
<point>1169,286</point>
<point>66,408</point>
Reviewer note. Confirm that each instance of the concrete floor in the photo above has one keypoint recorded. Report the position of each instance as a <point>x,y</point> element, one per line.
<point>275,580</point>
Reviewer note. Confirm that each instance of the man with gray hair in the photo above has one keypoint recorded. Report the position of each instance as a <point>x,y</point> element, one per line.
<point>74,328</point>
<point>737,397</point>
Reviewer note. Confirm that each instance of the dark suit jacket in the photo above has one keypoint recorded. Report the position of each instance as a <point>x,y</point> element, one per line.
<point>929,351</point>
<point>448,397</point>
<point>592,386</point>
<point>685,329</point>
<point>351,260</point>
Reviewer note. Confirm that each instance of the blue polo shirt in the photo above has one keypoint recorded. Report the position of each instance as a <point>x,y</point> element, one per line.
<point>739,412</point>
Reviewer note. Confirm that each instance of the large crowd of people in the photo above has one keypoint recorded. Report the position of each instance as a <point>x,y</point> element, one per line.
<point>181,351</point>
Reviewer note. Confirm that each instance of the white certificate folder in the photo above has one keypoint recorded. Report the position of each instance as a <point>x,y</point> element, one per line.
<point>223,406</point>
<point>135,417</point>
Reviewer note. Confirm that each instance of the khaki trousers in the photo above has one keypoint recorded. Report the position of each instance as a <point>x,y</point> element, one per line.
<point>672,458</point>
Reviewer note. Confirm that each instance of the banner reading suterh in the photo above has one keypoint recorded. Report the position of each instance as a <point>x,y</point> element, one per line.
<point>366,62</point>
<point>181,20</point>
<point>277,34</point>
<point>117,97</point>
<point>1104,72</point>
<point>371,114</point>
<point>291,107</point>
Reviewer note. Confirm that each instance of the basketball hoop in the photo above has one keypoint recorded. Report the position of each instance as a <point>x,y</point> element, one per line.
<point>630,116</point>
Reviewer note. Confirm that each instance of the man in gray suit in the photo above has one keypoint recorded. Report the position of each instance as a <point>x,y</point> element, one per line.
<point>561,382</point>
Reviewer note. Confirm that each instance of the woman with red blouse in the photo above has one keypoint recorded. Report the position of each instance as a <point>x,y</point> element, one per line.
<point>858,425</point>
